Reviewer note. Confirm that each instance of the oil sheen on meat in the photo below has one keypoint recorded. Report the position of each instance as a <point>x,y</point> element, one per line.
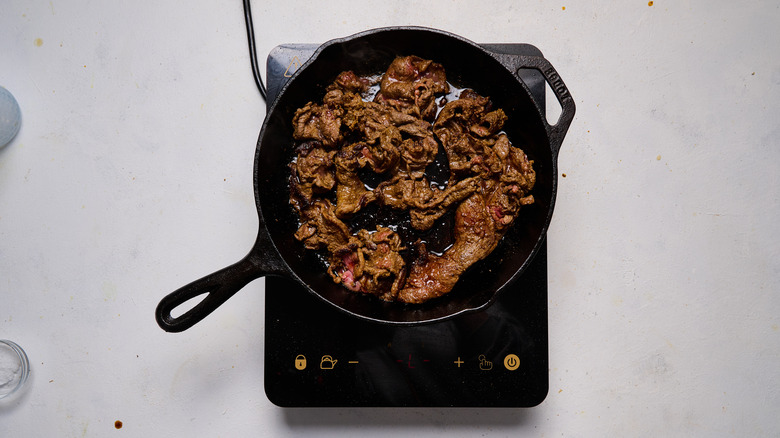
<point>365,184</point>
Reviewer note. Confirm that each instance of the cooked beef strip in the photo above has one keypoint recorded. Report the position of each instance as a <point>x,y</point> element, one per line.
<point>313,169</point>
<point>349,81</point>
<point>418,153</point>
<point>424,215</point>
<point>475,237</point>
<point>318,122</point>
<point>411,84</point>
<point>516,179</point>
<point>370,119</point>
<point>384,154</point>
<point>425,203</point>
<point>370,263</point>
<point>321,229</point>
<point>351,193</point>
<point>324,122</point>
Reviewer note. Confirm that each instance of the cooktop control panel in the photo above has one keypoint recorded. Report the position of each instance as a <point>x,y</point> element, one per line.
<point>317,356</point>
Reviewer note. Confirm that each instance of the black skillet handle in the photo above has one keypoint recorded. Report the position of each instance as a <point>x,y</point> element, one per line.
<point>218,287</point>
<point>557,131</point>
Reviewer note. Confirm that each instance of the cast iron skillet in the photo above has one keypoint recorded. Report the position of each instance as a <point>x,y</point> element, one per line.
<point>276,252</point>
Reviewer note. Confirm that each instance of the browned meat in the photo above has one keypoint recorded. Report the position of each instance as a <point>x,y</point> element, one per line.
<point>351,193</point>
<point>411,85</point>
<point>425,203</point>
<point>466,128</point>
<point>475,237</point>
<point>349,81</point>
<point>482,219</point>
<point>321,229</point>
<point>515,181</point>
<point>424,215</point>
<point>365,262</point>
<point>318,122</point>
<point>313,170</point>
<point>370,119</point>
<point>392,138</point>
<point>324,122</point>
<point>345,92</point>
<point>370,264</point>
<point>384,154</point>
<point>418,153</point>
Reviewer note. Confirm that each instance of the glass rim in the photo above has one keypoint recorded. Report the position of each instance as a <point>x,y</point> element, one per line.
<point>24,364</point>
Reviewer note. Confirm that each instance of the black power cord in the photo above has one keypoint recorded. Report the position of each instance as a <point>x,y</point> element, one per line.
<point>250,36</point>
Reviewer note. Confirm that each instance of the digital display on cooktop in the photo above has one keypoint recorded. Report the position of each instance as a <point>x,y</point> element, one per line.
<point>316,356</point>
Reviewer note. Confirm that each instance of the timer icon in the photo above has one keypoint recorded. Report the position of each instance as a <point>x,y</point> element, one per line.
<point>511,362</point>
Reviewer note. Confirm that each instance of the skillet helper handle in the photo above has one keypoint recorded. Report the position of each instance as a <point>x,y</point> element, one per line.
<point>557,131</point>
<point>217,287</point>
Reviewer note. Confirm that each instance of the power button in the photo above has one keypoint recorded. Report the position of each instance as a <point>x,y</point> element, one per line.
<point>511,362</point>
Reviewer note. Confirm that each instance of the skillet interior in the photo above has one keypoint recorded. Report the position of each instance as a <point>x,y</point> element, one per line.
<point>467,65</point>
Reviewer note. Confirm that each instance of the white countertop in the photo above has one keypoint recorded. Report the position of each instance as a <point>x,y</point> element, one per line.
<point>132,175</point>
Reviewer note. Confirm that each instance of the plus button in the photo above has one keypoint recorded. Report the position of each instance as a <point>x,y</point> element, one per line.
<point>458,362</point>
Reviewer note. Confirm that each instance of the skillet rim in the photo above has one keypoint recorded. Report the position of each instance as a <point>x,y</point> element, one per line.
<point>292,274</point>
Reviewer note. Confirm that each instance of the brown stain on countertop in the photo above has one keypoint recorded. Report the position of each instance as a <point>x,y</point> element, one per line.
<point>38,42</point>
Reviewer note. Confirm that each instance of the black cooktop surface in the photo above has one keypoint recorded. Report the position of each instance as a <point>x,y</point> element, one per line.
<point>317,356</point>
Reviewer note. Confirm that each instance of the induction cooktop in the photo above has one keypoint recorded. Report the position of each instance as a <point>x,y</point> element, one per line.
<point>316,356</point>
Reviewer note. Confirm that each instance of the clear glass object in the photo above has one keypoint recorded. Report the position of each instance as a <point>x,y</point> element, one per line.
<point>10,117</point>
<point>14,368</point>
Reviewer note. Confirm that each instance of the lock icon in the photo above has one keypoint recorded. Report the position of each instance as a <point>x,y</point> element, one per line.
<point>300,362</point>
